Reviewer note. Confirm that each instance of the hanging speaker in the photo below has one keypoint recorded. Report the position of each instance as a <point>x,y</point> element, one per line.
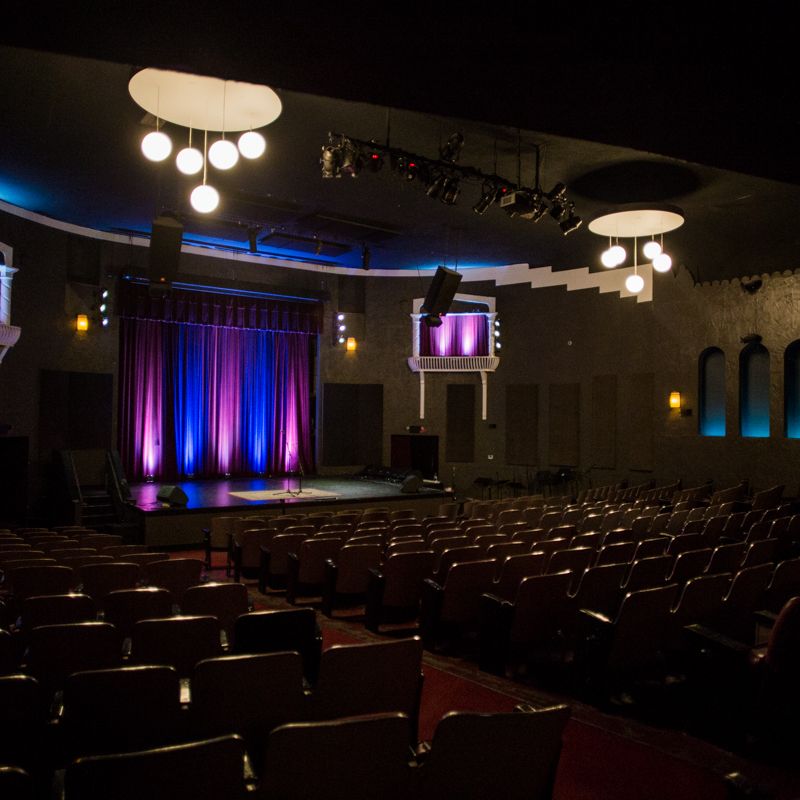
<point>441,291</point>
<point>173,495</point>
<point>165,250</point>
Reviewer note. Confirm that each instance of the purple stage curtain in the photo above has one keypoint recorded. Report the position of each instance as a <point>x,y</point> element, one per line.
<point>458,335</point>
<point>209,401</point>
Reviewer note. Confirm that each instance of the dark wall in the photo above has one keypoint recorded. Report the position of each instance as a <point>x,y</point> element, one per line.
<point>621,359</point>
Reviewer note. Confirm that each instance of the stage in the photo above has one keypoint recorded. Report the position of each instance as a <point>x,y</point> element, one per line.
<point>163,524</point>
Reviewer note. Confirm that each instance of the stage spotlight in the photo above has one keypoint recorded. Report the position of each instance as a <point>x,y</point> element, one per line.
<point>352,161</point>
<point>539,208</point>
<point>374,162</point>
<point>451,191</point>
<point>517,204</point>
<point>331,161</point>
<point>488,196</point>
<point>572,222</point>
<point>557,198</point>
<point>438,185</point>
<point>451,150</point>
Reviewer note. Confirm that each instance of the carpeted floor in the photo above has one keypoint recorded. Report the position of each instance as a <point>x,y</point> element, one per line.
<point>605,755</point>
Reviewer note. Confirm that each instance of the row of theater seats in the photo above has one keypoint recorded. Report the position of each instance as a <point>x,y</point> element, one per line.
<point>75,704</point>
<point>471,756</point>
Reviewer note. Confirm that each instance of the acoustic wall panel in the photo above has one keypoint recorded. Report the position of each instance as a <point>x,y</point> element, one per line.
<point>352,424</point>
<point>75,410</point>
<point>522,423</point>
<point>638,417</point>
<point>460,423</point>
<point>604,422</point>
<point>565,414</point>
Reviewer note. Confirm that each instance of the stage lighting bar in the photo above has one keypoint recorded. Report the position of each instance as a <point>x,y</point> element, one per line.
<point>442,179</point>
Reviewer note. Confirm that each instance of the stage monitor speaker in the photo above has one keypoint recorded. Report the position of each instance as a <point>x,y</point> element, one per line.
<point>441,291</point>
<point>165,249</point>
<point>411,484</point>
<point>173,495</point>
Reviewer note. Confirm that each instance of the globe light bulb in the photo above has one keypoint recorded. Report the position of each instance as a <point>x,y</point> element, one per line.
<point>252,144</point>
<point>618,254</point>
<point>189,161</point>
<point>607,258</point>
<point>651,249</point>
<point>156,146</point>
<point>204,198</point>
<point>634,283</point>
<point>223,154</point>
<point>662,263</point>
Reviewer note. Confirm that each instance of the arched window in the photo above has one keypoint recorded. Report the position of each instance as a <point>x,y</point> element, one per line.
<point>712,392</point>
<point>754,390</point>
<point>791,390</point>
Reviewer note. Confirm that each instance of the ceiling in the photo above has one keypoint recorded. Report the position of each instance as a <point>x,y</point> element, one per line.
<point>710,132</point>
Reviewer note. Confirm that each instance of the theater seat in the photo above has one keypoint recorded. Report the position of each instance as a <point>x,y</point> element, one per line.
<point>351,758</point>
<point>513,756</point>
<point>201,770</point>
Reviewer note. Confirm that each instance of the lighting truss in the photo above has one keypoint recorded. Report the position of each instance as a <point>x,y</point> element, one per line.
<point>441,178</point>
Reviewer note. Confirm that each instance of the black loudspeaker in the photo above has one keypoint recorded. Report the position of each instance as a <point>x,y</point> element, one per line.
<point>411,484</point>
<point>165,249</point>
<point>173,495</point>
<point>441,292</point>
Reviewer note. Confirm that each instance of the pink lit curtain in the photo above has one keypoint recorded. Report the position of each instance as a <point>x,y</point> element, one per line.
<point>458,335</point>
<point>209,400</point>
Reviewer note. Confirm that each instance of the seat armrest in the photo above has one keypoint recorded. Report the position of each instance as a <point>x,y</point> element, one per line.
<point>430,611</point>
<point>710,639</point>
<point>374,604</point>
<point>237,562</point>
<point>292,577</point>
<point>495,616</point>
<point>263,569</point>
<point>596,617</point>
<point>329,587</point>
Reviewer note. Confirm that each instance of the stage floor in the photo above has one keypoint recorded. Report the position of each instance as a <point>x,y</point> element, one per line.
<point>164,524</point>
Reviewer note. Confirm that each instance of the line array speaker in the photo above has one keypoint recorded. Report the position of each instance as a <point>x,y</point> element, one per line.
<point>441,291</point>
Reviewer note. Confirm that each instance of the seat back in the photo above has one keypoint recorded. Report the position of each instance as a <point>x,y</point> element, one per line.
<point>575,559</point>
<point>599,588</point>
<point>174,574</point>
<point>97,580</point>
<point>541,607</point>
<point>617,553</point>
<point>280,630</point>
<point>178,642</point>
<point>466,582</point>
<point>221,530</point>
<point>510,755</point>
<point>120,710</point>
<point>449,557</point>
<point>25,716</point>
<point>354,562</point>
<point>513,569</point>
<point>56,651</point>
<point>642,627</point>
<point>250,541</point>
<point>223,601</point>
<point>700,602</point>
<point>744,598</point>
<point>404,574</point>
<point>356,753</point>
<point>372,678</point>
<point>726,558</point>
<point>783,584</point>
<point>249,695</point>
<point>689,564</point>
<point>208,768</point>
<point>41,580</point>
<point>123,608</point>
<point>761,552</point>
<point>280,547</point>
<point>647,573</point>
<point>56,609</point>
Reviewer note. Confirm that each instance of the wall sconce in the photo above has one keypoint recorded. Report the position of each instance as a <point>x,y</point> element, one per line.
<point>82,322</point>
<point>674,399</point>
<point>351,344</point>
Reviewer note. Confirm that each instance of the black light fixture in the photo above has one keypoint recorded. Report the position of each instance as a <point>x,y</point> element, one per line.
<point>572,222</point>
<point>331,161</point>
<point>438,185</point>
<point>374,161</point>
<point>365,256</point>
<point>252,239</point>
<point>488,196</point>
<point>451,191</point>
<point>451,149</point>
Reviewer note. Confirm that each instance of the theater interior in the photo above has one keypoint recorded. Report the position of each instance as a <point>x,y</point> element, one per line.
<point>404,314</point>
